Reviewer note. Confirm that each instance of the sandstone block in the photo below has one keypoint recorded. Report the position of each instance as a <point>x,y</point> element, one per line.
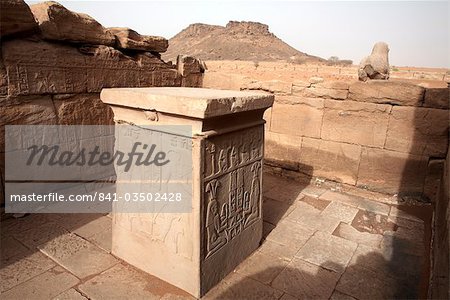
<point>437,98</point>
<point>314,80</point>
<point>332,160</point>
<point>356,123</point>
<point>301,84</point>
<point>283,149</point>
<point>391,172</point>
<point>273,86</point>
<point>297,116</point>
<point>58,23</point>
<point>336,85</point>
<point>298,91</point>
<point>16,18</point>
<point>82,109</point>
<point>382,91</point>
<point>127,38</point>
<point>422,131</point>
<point>227,151</point>
<point>325,93</point>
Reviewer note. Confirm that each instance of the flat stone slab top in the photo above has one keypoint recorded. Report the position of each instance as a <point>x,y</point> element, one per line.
<point>190,102</point>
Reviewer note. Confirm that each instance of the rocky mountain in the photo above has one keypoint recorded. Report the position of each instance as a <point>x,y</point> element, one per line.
<point>236,41</point>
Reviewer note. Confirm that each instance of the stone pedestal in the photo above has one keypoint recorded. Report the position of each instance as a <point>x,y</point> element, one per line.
<point>195,250</point>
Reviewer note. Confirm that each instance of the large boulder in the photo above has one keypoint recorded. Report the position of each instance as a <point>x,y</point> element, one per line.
<point>129,39</point>
<point>60,24</point>
<point>376,65</point>
<point>16,18</point>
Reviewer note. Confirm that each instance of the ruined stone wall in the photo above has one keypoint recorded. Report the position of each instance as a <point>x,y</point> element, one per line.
<point>306,70</point>
<point>385,136</point>
<point>54,63</point>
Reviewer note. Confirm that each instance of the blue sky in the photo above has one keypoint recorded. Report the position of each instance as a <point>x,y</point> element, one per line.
<point>417,32</point>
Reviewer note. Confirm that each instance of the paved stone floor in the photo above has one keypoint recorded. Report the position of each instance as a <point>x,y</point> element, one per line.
<point>318,243</point>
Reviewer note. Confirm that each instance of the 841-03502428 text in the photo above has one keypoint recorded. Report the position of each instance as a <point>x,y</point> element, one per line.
<point>98,196</point>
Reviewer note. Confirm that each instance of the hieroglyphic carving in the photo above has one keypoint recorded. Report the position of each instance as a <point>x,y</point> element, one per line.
<point>232,185</point>
<point>49,68</point>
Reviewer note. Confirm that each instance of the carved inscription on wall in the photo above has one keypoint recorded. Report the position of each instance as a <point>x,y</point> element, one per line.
<point>232,185</point>
<point>49,68</point>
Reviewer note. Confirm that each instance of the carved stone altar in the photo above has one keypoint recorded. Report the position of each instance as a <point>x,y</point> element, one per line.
<point>195,250</point>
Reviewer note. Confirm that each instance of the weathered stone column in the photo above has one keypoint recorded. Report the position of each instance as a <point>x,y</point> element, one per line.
<point>225,223</point>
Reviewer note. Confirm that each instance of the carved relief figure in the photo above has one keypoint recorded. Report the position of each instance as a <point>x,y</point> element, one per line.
<point>214,223</point>
<point>255,193</point>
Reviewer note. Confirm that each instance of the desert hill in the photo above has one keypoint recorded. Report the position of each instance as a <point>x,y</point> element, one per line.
<point>236,41</point>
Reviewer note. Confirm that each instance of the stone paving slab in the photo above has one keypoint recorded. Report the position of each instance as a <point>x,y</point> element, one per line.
<point>290,234</point>
<point>328,251</point>
<point>262,267</point>
<point>11,247</point>
<point>19,269</point>
<point>279,250</point>
<point>387,262</point>
<point>310,217</point>
<point>39,234</point>
<point>70,250</point>
<point>362,283</point>
<point>342,212</point>
<point>356,201</point>
<point>395,212</point>
<point>102,239</point>
<point>306,281</point>
<point>313,191</point>
<point>315,202</point>
<point>71,294</point>
<point>11,226</point>
<point>350,233</point>
<point>44,286</point>
<point>274,211</point>
<point>287,297</point>
<point>340,296</point>
<point>125,282</point>
<point>236,286</point>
